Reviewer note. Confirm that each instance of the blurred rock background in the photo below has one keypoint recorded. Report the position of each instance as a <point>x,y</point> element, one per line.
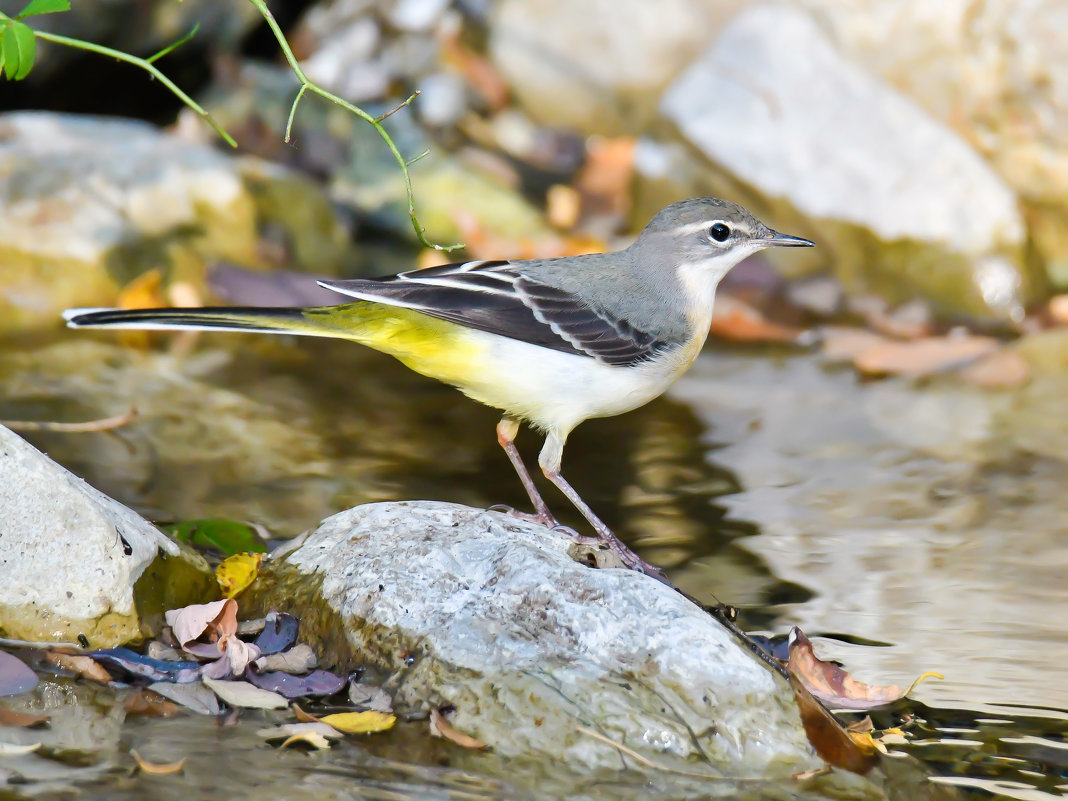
<point>922,146</point>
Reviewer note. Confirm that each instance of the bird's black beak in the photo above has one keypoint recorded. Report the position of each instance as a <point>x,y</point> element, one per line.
<point>775,239</point>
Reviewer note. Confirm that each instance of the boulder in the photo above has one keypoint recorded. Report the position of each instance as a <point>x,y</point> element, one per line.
<point>71,557</point>
<point>495,617</point>
<point>810,139</point>
<point>599,66</point>
<point>88,204</point>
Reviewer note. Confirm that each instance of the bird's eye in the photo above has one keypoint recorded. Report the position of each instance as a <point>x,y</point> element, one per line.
<point>719,232</point>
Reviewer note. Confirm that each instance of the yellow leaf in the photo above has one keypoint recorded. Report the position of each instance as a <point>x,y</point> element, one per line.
<point>865,742</point>
<point>158,768</point>
<point>237,572</point>
<point>360,722</point>
<point>312,738</point>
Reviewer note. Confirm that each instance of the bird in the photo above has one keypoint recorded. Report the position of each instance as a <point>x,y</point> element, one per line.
<point>551,342</point>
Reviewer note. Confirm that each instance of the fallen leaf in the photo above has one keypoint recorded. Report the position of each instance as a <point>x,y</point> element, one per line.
<point>302,716</point>
<point>477,70</point>
<point>1058,309</point>
<point>605,180</point>
<point>926,356</point>
<point>218,619</point>
<point>290,730</point>
<point>84,666</point>
<point>833,685</point>
<point>243,694</point>
<point>833,744</point>
<point>318,682</point>
<point>158,768</point>
<point>15,676</point>
<point>143,292</point>
<point>194,697</point>
<point>439,727</point>
<point>360,722</point>
<point>146,666</point>
<point>228,537</point>
<point>369,696</point>
<point>21,720</point>
<point>146,702</point>
<point>237,572</point>
<point>737,321</point>
<point>298,659</point>
<point>279,632</point>
<point>312,738</point>
<point>910,320</point>
<point>842,344</point>
<point>17,749</point>
<point>239,654</point>
<point>1000,370</point>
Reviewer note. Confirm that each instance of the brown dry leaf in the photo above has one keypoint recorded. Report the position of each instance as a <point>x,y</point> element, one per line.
<point>218,619</point>
<point>926,356</point>
<point>833,744</point>
<point>84,666</point>
<point>1058,309</point>
<point>737,321</point>
<point>439,727</point>
<point>158,768</point>
<point>841,344</point>
<point>477,70</point>
<point>146,702</point>
<point>22,720</point>
<point>1001,370</point>
<point>605,179</point>
<point>833,685</point>
<point>143,292</point>
<point>302,716</point>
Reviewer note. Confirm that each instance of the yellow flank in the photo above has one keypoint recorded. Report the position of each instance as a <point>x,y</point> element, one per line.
<point>435,348</point>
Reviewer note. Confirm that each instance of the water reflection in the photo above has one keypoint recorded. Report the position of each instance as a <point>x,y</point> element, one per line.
<point>930,520</point>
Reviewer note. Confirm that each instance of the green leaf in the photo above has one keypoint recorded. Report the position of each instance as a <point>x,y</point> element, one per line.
<point>35,7</point>
<point>9,50</point>
<point>27,45</point>
<point>229,537</point>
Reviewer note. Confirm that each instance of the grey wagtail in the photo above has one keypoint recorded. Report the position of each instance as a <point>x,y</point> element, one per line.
<point>549,341</point>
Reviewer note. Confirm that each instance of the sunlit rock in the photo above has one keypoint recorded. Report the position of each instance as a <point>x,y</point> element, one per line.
<point>493,616</point>
<point>896,200</point>
<point>71,556</point>
<point>599,66</point>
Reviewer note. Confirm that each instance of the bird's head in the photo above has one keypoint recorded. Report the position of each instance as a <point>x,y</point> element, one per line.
<point>703,238</point>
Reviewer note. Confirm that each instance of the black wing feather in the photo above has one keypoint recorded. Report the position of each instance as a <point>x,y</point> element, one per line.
<point>496,297</point>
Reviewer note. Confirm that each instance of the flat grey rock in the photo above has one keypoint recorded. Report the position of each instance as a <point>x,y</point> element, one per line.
<point>63,561</point>
<point>494,616</point>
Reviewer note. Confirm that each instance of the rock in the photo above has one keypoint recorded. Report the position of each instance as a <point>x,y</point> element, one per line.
<point>493,616</point>
<point>71,556</point>
<point>833,152</point>
<point>996,72</point>
<point>88,204</point>
<point>598,66</point>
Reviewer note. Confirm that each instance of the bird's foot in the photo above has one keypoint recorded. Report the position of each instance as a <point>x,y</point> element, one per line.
<point>541,518</point>
<point>629,558</point>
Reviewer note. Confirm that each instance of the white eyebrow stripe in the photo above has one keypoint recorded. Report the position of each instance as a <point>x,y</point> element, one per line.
<point>693,228</point>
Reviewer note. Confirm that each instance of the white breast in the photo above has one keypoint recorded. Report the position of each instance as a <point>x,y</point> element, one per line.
<point>557,391</point>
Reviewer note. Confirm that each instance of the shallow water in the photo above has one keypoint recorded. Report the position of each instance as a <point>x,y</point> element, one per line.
<point>905,529</point>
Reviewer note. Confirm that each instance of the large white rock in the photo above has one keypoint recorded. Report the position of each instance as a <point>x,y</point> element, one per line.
<point>64,566</point>
<point>599,65</point>
<point>775,104</point>
<point>500,621</point>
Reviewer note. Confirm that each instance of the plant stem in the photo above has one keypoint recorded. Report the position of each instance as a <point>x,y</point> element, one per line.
<point>143,64</point>
<point>374,122</point>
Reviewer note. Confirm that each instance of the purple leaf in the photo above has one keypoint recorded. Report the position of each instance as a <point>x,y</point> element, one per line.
<point>15,677</point>
<point>318,682</point>
<point>279,633</point>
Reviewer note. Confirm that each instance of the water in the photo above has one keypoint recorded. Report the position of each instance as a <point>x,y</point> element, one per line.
<point>905,529</point>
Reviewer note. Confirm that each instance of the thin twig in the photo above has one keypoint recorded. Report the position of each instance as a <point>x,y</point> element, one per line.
<point>398,107</point>
<point>174,46</point>
<point>143,64</point>
<point>103,424</point>
<point>374,122</point>
<point>293,112</point>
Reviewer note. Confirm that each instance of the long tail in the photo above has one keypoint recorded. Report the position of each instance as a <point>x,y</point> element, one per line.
<point>223,318</point>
